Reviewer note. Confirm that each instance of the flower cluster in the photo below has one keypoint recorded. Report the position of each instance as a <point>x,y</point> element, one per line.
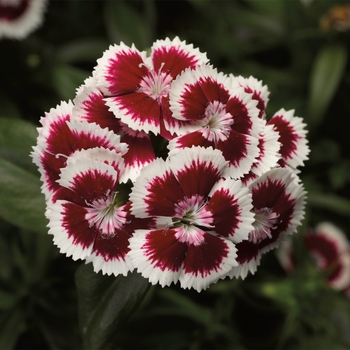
<point>18,18</point>
<point>330,251</point>
<point>164,165</point>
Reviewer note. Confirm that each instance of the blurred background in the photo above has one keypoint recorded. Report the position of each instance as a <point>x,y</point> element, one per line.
<point>299,49</point>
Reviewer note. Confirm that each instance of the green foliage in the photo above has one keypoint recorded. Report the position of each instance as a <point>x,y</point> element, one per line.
<point>50,301</point>
<point>104,303</point>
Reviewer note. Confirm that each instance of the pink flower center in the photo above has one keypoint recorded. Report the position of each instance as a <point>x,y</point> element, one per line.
<point>265,222</point>
<point>156,84</point>
<point>217,122</point>
<point>104,214</point>
<point>192,217</point>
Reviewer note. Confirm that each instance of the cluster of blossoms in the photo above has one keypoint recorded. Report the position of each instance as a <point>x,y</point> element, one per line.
<point>164,165</point>
<point>18,18</point>
<point>329,248</point>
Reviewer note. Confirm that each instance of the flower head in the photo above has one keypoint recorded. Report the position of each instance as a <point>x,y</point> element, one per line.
<point>200,217</point>
<point>89,215</point>
<point>223,191</point>
<point>137,86</point>
<point>278,204</point>
<point>90,106</point>
<point>216,115</point>
<point>330,251</point>
<point>59,138</point>
<point>18,18</point>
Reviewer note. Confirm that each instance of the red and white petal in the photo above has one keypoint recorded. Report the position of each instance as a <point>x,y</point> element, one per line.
<point>268,154</point>
<point>87,180</point>
<point>120,70</point>
<point>197,169</point>
<point>193,89</point>
<point>103,155</point>
<point>330,247</point>
<point>90,82</point>
<point>241,160</point>
<point>248,258</point>
<point>68,138</point>
<point>137,110</point>
<point>281,197</point>
<point>52,122</point>
<point>139,155</point>
<point>285,255</point>
<point>244,112</point>
<point>231,206</point>
<point>158,255</point>
<point>71,232</point>
<point>109,254</point>
<point>269,147</point>
<point>19,18</point>
<point>259,91</point>
<point>174,56</point>
<point>294,145</point>
<point>89,105</point>
<point>155,191</point>
<point>208,262</point>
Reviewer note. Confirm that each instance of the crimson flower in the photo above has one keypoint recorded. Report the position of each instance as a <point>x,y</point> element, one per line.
<point>200,217</point>
<point>219,114</point>
<point>278,202</point>
<point>89,215</point>
<point>137,86</point>
<point>18,18</point>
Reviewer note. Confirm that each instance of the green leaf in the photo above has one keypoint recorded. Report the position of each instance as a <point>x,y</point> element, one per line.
<point>67,79</point>
<point>105,303</point>
<point>7,299</point>
<point>330,202</point>
<point>123,23</point>
<point>326,74</point>
<point>82,50</point>
<point>21,202</point>
<point>17,137</point>
<point>11,326</point>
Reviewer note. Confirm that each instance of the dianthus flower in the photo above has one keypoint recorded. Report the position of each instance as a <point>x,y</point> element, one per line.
<point>278,205</point>
<point>18,18</point>
<point>330,251</point>
<point>89,215</point>
<point>59,138</point>
<point>137,86</point>
<point>217,113</point>
<point>223,191</point>
<point>200,218</point>
<point>90,106</point>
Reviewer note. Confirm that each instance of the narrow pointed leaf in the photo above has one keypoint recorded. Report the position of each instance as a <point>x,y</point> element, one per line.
<point>67,79</point>
<point>12,324</point>
<point>125,24</point>
<point>331,202</point>
<point>105,303</point>
<point>17,137</point>
<point>21,202</point>
<point>325,78</point>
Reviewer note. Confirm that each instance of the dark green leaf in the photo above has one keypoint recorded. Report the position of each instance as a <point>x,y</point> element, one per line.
<point>326,74</point>
<point>82,50</point>
<point>331,202</point>
<point>17,137</point>
<point>11,326</point>
<point>67,79</point>
<point>105,303</point>
<point>125,24</point>
<point>21,202</point>
<point>6,300</point>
